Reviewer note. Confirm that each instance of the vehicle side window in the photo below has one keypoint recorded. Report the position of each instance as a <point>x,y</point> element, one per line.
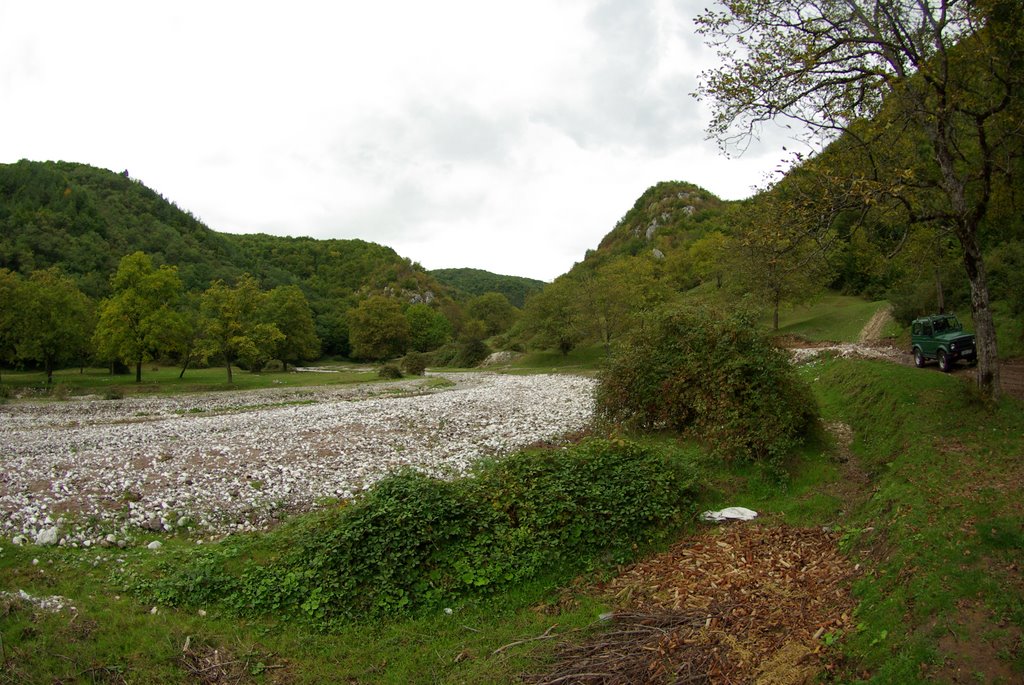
<point>927,329</point>
<point>940,325</point>
<point>916,330</point>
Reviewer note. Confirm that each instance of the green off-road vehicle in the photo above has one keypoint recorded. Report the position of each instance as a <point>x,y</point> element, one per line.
<point>941,337</point>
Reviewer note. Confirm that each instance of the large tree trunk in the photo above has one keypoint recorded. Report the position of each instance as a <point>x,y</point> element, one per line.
<point>138,370</point>
<point>984,325</point>
<point>966,229</point>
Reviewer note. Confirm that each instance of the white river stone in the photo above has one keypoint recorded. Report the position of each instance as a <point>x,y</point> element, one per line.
<point>236,461</point>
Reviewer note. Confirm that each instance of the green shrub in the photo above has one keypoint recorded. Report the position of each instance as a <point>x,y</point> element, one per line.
<point>114,393</point>
<point>471,353</point>
<point>715,378</point>
<point>273,366</point>
<point>389,371</point>
<point>443,356</point>
<point>415,542</point>
<point>415,364</point>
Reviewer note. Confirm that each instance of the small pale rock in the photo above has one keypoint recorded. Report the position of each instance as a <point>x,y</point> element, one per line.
<point>48,536</point>
<point>156,544</point>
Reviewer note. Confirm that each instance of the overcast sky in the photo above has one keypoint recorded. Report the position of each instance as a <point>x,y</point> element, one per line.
<point>507,136</point>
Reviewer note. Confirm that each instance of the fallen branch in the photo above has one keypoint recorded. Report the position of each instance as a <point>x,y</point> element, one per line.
<point>546,635</point>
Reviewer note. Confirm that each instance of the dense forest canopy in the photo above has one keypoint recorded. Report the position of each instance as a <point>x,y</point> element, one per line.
<point>473,282</point>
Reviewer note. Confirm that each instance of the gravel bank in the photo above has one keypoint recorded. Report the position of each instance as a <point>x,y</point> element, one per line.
<point>104,472</point>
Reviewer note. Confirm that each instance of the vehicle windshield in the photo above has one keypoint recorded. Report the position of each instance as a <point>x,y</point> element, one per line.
<point>949,323</point>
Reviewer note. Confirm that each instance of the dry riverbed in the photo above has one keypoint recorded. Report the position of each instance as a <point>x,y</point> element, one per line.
<point>90,471</point>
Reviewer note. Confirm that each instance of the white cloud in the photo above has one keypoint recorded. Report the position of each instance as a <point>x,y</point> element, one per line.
<point>508,136</point>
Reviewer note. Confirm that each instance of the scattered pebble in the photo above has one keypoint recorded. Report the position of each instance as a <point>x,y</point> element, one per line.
<point>52,603</point>
<point>219,463</point>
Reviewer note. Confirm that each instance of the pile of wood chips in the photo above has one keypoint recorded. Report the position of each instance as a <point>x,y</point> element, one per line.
<point>741,603</point>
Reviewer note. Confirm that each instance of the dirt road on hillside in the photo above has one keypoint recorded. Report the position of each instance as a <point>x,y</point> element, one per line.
<point>871,345</point>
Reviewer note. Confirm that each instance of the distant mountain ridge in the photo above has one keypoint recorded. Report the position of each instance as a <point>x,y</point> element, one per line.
<point>474,282</point>
<point>84,219</point>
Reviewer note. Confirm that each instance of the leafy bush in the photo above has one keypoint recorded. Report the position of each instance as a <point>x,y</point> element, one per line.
<point>273,366</point>
<point>414,542</point>
<point>471,353</point>
<point>113,393</point>
<point>718,379</point>
<point>415,364</point>
<point>389,371</point>
<point>443,356</point>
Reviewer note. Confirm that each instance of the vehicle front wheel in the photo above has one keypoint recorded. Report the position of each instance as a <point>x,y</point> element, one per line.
<point>918,359</point>
<point>944,362</point>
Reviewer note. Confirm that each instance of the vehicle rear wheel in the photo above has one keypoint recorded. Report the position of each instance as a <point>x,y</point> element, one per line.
<point>918,358</point>
<point>944,361</point>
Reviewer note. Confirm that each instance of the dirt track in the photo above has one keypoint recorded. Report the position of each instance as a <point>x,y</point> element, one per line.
<point>871,345</point>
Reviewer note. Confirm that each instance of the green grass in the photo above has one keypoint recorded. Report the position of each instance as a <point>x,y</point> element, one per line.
<point>581,360</point>
<point>942,529</point>
<point>829,318</point>
<point>113,636</point>
<point>164,380</point>
<point>835,318</point>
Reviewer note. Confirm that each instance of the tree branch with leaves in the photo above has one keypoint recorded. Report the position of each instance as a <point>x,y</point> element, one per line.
<point>945,73</point>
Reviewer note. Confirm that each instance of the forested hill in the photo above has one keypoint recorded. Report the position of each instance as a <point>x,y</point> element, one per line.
<point>84,219</point>
<point>667,216</point>
<point>474,282</point>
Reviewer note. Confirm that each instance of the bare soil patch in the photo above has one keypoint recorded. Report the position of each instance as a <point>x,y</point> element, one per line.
<point>973,648</point>
<point>873,328</point>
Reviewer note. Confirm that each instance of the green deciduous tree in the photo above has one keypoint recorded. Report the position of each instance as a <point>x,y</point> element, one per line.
<point>428,327</point>
<point>287,308</point>
<point>10,285</point>
<point>494,309</point>
<point>55,321</point>
<point>378,329</point>
<point>186,334</point>
<point>708,257</point>
<point>137,321</point>
<point>617,294</point>
<point>552,318</point>
<point>233,326</point>
<point>774,255</point>
<point>939,80</point>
